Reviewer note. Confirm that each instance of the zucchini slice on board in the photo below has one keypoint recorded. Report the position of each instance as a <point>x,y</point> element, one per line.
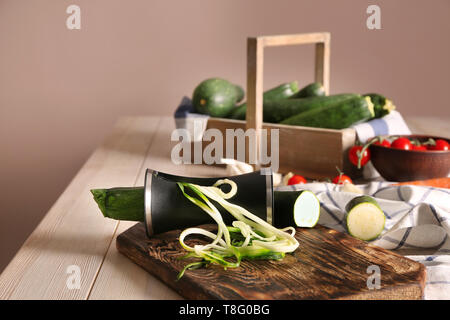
<point>365,219</point>
<point>296,208</point>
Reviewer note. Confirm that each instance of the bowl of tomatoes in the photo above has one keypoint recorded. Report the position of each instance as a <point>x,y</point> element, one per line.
<point>410,157</point>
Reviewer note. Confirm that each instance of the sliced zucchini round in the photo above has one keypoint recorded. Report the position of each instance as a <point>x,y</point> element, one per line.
<point>296,208</point>
<point>306,210</point>
<point>365,219</point>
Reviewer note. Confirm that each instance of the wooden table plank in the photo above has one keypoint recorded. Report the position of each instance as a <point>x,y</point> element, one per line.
<point>119,278</point>
<point>429,125</point>
<point>72,232</point>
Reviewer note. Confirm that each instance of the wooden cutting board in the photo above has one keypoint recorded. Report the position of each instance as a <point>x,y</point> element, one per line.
<point>327,265</point>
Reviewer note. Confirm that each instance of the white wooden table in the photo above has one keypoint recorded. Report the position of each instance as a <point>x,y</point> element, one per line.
<point>75,236</point>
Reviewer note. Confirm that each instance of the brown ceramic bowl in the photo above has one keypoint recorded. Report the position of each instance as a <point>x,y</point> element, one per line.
<point>407,165</point>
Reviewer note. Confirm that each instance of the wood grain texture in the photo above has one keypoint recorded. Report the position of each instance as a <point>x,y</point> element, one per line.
<point>119,278</point>
<point>306,158</point>
<point>294,39</point>
<point>432,126</point>
<point>254,115</point>
<point>74,233</point>
<point>290,159</point>
<point>327,265</point>
<point>322,63</point>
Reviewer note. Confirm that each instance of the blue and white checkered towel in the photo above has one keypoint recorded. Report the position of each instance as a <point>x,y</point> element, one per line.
<point>417,220</point>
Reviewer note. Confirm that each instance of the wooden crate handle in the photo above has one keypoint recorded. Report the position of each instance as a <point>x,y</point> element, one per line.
<point>255,66</point>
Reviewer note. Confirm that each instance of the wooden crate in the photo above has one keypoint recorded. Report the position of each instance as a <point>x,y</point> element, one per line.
<point>312,152</point>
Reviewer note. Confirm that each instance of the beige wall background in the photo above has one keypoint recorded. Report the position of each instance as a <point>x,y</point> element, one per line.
<point>61,90</point>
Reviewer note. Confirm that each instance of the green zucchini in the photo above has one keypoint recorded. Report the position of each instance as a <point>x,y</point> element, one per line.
<point>365,219</point>
<point>240,93</point>
<point>381,105</point>
<point>282,91</point>
<point>314,89</point>
<point>125,203</point>
<point>336,116</point>
<point>216,97</point>
<point>291,208</point>
<point>239,113</point>
<point>277,111</point>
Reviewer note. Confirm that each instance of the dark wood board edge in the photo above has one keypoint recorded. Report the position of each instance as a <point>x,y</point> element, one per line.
<point>184,287</point>
<point>415,291</point>
<point>189,289</point>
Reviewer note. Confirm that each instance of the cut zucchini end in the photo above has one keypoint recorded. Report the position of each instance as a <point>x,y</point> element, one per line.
<point>321,90</point>
<point>294,86</point>
<point>370,105</point>
<point>365,221</point>
<point>306,210</point>
<point>389,106</point>
<point>99,197</point>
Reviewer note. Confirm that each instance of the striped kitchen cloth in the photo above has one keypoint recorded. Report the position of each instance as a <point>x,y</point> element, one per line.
<point>391,124</point>
<point>186,118</point>
<point>417,219</point>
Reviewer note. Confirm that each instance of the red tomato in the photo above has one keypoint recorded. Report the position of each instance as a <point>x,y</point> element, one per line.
<point>384,143</point>
<point>441,145</point>
<point>341,179</point>
<point>296,179</point>
<point>419,147</point>
<point>353,155</point>
<point>402,143</point>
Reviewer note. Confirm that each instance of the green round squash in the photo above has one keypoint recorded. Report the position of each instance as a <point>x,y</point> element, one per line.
<point>216,97</point>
